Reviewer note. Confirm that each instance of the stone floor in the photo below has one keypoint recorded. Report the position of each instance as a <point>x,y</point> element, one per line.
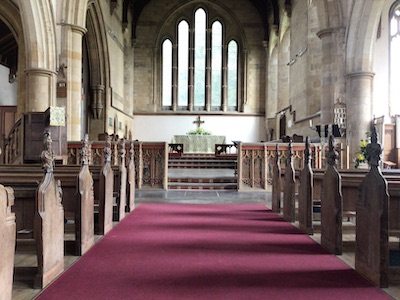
<point>26,259</point>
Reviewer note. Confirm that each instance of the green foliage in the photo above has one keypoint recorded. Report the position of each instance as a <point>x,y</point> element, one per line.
<point>198,131</point>
<point>361,154</point>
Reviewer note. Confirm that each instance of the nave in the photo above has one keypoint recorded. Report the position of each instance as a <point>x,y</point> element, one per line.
<point>23,290</point>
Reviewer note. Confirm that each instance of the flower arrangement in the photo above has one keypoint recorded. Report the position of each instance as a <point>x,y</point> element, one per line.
<point>361,154</point>
<point>198,131</point>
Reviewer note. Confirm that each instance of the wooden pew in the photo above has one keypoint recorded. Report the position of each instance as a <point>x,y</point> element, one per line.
<point>121,182</point>
<point>84,213</point>
<point>305,203</point>
<point>332,205</point>
<point>289,193</point>
<point>372,248</point>
<point>105,192</point>
<point>276,183</point>
<point>48,222</point>
<point>7,241</point>
<point>131,179</point>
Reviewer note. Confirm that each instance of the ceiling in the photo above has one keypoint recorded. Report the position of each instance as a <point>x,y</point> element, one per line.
<point>264,7</point>
<point>9,47</point>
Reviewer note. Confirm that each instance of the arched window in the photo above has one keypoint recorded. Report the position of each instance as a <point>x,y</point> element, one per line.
<point>232,74</point>
<point>216,66</point>
<point>183,63</point>
<point>395,59</point>
<point>167,73</point>
<point>200,67</point>
<point>200,59</point>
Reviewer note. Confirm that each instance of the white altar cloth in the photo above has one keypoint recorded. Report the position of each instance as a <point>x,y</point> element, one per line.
<point>198,143</point>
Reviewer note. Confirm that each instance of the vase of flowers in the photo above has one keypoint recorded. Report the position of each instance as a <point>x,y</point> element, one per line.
<point>361,154</point>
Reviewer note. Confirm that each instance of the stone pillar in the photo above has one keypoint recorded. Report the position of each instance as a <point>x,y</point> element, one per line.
<point>327,100</point>
<point>73,55</point>
<point>359,109</point>
<point>41,89</point>
<point>332,71</point>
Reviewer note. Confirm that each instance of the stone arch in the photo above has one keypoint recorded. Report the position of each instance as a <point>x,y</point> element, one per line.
<point>11,17</point>
<point>74,12</point>
<point>39,29</point>
<point>329,14</point>
<point>360,39</point>
<point>99,70</point>
<point>362,27</point>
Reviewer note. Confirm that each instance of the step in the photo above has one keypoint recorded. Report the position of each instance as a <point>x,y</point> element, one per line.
<point>201,166</point>
<point>205,162</point>
<point>201,186</point>
<point>202,179</point>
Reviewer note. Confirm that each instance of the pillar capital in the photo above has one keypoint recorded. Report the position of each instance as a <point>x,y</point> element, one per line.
<point>75,28</point>
<point>361,74</point>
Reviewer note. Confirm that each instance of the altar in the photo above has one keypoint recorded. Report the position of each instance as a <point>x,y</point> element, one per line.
<point>198,143</point>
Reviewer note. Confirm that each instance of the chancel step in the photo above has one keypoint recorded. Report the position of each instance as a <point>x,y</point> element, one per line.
<point>202,161</point>
<point>202,172</point>
<point>221,183</point>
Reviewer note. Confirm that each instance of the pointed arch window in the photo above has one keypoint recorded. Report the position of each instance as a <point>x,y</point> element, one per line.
<point>394,58</point>
<point>183,63</point>
<point>199,65</point>
<point>216,65</point>
<point>167,73</point>
<point>232,74</point>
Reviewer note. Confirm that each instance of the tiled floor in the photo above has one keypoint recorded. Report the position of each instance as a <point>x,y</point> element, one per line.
<point>23,288</point>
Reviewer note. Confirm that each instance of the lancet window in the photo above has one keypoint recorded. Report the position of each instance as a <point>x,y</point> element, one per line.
<point>200,66</point>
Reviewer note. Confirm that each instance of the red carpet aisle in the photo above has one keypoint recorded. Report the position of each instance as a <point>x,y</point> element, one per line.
<point>195,251</point>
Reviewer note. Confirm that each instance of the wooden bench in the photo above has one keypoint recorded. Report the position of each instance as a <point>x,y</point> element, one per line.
<point>7,241</point>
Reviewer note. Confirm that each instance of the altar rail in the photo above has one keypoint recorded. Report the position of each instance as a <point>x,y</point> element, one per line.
<point>150,158</point>
<point>255,161</point>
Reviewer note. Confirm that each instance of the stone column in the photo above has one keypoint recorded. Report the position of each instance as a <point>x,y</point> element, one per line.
<point>73,56</point>
<point>332,71</point>
<point>327,100</point>
<point>359,108</point>
<point>41,89</point>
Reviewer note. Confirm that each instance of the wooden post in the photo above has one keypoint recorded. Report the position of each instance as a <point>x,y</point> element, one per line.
<point>372,246</point>
<point>305,214</point>
<point>121,199</point>
<point>7,241</point>
<point>331,204</point>
<point>84,214</point>
<point>106,189</point>
<point>49,221</point>
<point>289,197</point>
<point>131,178</point>
<point>276,183</point>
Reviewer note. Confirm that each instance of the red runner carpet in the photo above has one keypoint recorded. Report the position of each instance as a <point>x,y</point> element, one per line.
<point>217,251</point>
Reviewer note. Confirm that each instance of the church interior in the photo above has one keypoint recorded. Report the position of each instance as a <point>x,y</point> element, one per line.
<point>111,104</point>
